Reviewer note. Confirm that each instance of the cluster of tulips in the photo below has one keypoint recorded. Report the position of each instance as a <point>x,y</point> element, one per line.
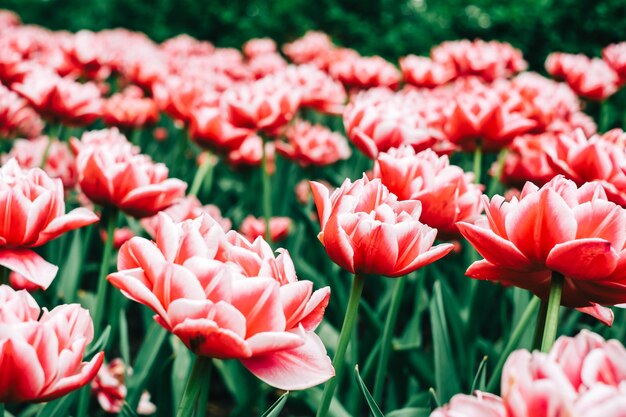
<point>138,137</point>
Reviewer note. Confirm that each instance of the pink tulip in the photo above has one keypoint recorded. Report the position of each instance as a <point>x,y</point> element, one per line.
<point>574,231</point>
<point>115,176</point>
<point>615,56</point>
<point>34,203</point>
<point>313,46</point>
<point>571,352</point>
<point>365,72</point>
<point>446,192</point>
<point>259,46</point>
<point>252,228</point>
<point>318,90</point>
<point>481,405</point>
<point>129,109</point>
<point>251,308</point>
<point>16,118</point>
<point>423,72</point>
<point>591,78</point>
<point>41,352</point>
<point>366,230</point>
<point>310,144</point>
<point>210,128</point>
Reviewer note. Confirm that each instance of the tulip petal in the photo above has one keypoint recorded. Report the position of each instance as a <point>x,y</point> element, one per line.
<point>30,265</point>
<point>17,357</point>
<point>294,369</point>
<point>604,314</point>
<point>314,311</point>
<point>75,219</point>
<point>203,337</point>
<point>270,342</point>
<point>591,258</point>
<point>87,372</point>
<point>536,281</point>
<point>493,248</point>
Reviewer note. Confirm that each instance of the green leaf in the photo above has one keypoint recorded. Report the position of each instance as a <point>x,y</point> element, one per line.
<point>410,412</point>
<point>277,407</point>
<point>144,363</point>
<point>368,397</point>
<point>313,396</point>
<point>446,379</point>
<point>100,343</point>
<point>127,411</point>
<point>69,278</point>
<point>124,343</point>
<point>183,360</point>
<point>59,407</point>
<point>479,378</point>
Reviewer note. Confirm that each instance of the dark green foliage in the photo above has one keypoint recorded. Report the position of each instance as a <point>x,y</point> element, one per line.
<point>390,28</point>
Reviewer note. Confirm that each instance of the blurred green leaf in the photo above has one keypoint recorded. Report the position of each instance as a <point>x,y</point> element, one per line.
<point>277,407</point>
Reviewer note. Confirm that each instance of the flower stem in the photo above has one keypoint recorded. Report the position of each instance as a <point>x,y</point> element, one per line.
<point>552,313</point>
<point>496,180</point>
<point>204,172</point>
<point>540,325</point>
<point>46,151</point>
<point>513,341</point>
<point>390,324</point>
<point>104,271</point>
<point>1,409</point>
<point>267,194</point>
<point>344,337</point>
<point>135,137</point>
<point>199,377</point>
<point>478,163</point>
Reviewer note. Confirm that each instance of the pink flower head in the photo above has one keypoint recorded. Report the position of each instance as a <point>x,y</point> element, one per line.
<point>574,231</point>
<point>253,227</point>
<point>591,78</point>
<point>211,128</point>
<point>527,160</point>
<point>41,352</point>
<point>114,175</point>
<point>313,46</point>
<point>615,56</point>
<point>446,192</point>
<point>310,144</point>
<point>192,279</point>
<point>424,72</point>
<point>366,230</point>
<point>34,203</point>
<point>110,389</point>
<point>598,158</point>
<point>251,152</point>
<point>365,72</point>
<point>259,46</point>
<point>377,120</point>
<point>61,99</point>
<point>129,109</point>
<point>186,209</point>
<point>482,404</point>
<point>86,55</point>
<point>264,65</point>
<point>16,118</point>
<point>59,161</point>
<point>266,105</point>
<point>318,90</point>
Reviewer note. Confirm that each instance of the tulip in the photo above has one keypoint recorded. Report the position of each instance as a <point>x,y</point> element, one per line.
<point>210,128</point>
<point>365,72</point>
<point>446,192</point>
<point>218,310</point>
<point>116,177</point>
<point>563,243</point>
<point>423,72</point>
<point>252,228</point>
<point>16,118</point>
<point>591,78</point>
<point>41,352</point>
<point>34,203</point>
<point>480,405</point>
<point>309,48</point>
<point>318,90</point>
<point>130,110</point>
<point>259,46</point>
<point>615,56</point>
<point>313,145</point>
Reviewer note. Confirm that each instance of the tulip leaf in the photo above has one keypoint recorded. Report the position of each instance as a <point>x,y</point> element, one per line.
<point>127,411</point>
<point>480,378</point>
<point>180,370</point>
<point>313,396</point>
<point>144,363</point>
<point>368,397</point>
<point>100,343</point>
<point>446,378</point>
<point>410,412</point>
<point>59,407</point>
<point>277,407</point>
<point>69,277</point>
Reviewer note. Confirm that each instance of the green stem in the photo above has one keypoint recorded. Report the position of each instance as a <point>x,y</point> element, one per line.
<point>478,163</point>
<point>390,324</point>
<point>552,312</point>
<point>104,271</point>
<point>344,337</point>
<point>203,398</point>
<point>204,172</point>
<point>4,275</point>
<point>46,151</point>
<point>135,137</point>
<point>540,325</point>
<point>199,377</point>
<point>513,342</point>
<point>496,180</point>
<point>267,194</point>
<point>2,410</point>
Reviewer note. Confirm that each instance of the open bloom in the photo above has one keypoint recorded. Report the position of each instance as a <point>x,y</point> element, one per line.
<point>41,352</point>
<point>574,231</point>
<point>424,72</point>
<point>227,298</point>
<point>252,228</point>
<point>210,128</point>
<point>366,230</point>
<point>592,78</point>
<point>482,404</point>
<point>34,204</point>
<point>446,192</point>
<point>365,72</point>
<point>615,56</point>
<point>115,175</point>
<point>313,145</point>
<point>129,109</point>
<point>318,90</point>
<point>16,118</point>
<point>110,390</point>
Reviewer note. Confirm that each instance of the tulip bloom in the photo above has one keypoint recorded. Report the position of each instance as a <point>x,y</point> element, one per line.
<point>318,90</point>
<point>210,128</point>
<point>129,109</point>
<point>575,232</point>
<point>480,405</point>
<point>225,298</point>
<point>252,228</point>
<point>34,203</point>
<point>16,118</point>
<point>591,78</point>
<point>446,192</point>
<point>115,176</point>
<point>365,72</point>
<point>366,230</point>
<point>310,144</point>
<point>423,72</point>
<point>41,352</point>
<point>615,56</point>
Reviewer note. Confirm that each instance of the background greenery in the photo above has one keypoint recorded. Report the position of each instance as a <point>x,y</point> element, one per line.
<point>390,28</point>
